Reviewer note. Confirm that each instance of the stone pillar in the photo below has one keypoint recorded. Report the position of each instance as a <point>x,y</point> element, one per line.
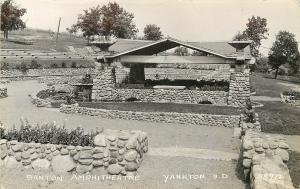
<point>239,89</point>
<point>104,85</point>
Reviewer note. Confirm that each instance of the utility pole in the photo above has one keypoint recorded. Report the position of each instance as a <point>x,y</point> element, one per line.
<point>58,29</point>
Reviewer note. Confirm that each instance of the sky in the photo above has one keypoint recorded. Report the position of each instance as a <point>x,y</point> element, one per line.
<point>187,20</point>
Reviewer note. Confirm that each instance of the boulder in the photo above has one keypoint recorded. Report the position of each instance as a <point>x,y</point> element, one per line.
<point>64,151</point>
<point>85,161</point>
<point>98,156</point>
<point>26,155</point>
<point>40,164</point>
<point>62,163</point>
<point>83,168</point>
<point>17,147</point>
<point>114,169</point>
<point>130,155</point>
<point>10,162</point>
<point>283,154</point>
<point>98,163</point>
<point>131,166</point>
<point>99,140</point>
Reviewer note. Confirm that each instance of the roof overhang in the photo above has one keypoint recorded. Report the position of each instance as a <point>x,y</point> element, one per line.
<point>165,44</point>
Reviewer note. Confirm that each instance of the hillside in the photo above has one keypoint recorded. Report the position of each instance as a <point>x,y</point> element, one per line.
<point>41,40</point>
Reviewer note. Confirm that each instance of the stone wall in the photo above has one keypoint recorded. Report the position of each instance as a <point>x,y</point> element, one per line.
<point>3,91</point>
<point>116,152</point>
<point>171,95</point>
<point>185,74</point>
<point>264,157</point>
<point>196,66</point>
<point>239,89</point>
<point>287,99</point>
<point>45,72</point>
<point>56,80</point>
<point>104,89</point>
<point>164,117</point>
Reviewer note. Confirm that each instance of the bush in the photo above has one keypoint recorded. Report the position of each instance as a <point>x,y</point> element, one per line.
<point>49,133</point>
<point>4,66</point>
<point>34,65</point>
<point>22,67</point>
<point>63,65</point>
<point>54,65</point>
<point>74,65</point>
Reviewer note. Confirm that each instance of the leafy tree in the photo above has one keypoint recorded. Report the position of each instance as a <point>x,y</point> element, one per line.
<point>11,17</point>
<point>89,22</point>
<point>284,50</point>
<point>117,21</point>
<point>4,66</point>
<point>240,36</point>
<point>72,30</point>
<point>152,32</point>
<point>181,51</point>
<point>256,31</point>
<point>108,20</point>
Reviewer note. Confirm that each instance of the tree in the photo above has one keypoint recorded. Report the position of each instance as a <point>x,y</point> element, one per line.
<point>181,51</point>
<point>284,50</point>
<point>72,30</point>
<point>152,32</point>
<point>256,31</point>
<point>240,36</point>
<point>11,17</point>
<point>117,21</point>
<point>89,22</point>
<point>108,20</point>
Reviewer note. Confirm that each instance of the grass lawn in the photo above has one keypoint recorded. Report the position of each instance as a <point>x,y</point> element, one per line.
<point>277,117</point>
<point>163,107</point>
<point>294,167</point>
<point>42,40</point>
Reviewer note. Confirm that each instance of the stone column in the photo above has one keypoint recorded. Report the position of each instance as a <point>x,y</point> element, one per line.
<point>104,85</point>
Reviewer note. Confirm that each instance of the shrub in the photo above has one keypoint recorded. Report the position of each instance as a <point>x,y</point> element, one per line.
<point>22,67</point>
<point>249,113</point>
<point>132,99</point>
<point>74,65</point>
<point>49,133</point>
<point>34,65</point>
<point>54,65</point>
<point>205,102</point>
<point>63,65</point>
<point>4,66</point>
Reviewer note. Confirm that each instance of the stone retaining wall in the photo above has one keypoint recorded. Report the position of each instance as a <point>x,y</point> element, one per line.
<point>186,74</point>
<point>3,92</point>
<point>116,152</point>
<point>104,89</point>
<point>13,73</point>
<point>165,117</point>
<point>264,157</point>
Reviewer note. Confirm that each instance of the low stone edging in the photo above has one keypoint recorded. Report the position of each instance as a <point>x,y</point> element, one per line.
<point>264,157</point>
<point>287,99</point>
<point>38,101</point>
<point>165,117</point>
<point>117,152</point>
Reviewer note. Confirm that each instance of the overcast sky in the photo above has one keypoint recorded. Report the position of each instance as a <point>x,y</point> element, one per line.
<point>192,20</point>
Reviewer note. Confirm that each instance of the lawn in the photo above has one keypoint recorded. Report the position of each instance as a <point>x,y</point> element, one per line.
<point>42,40</point>
<point>294,167</point>
<point>163,107</point>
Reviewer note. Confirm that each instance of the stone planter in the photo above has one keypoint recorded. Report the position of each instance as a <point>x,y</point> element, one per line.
<point>116,152</point>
